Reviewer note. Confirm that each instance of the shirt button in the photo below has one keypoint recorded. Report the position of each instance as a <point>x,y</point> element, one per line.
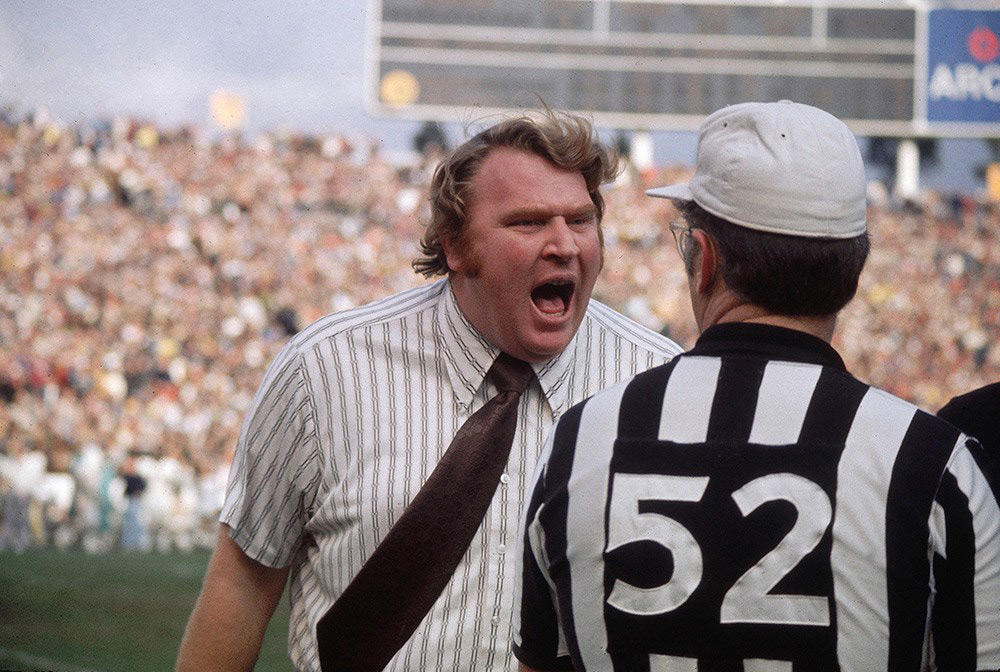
<point>495,620</point>
<point>502,548</point>
<point>505,479</point>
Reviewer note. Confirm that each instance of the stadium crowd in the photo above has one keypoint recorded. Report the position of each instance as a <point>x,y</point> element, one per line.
<point>149,276</point>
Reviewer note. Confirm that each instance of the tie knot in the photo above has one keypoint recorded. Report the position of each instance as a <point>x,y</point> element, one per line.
<point>510,374</point>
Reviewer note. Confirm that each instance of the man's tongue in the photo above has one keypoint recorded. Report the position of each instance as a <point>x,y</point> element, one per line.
<point>549,299</point>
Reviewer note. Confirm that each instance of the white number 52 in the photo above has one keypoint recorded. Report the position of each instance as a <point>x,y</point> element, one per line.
<point>749,599</point>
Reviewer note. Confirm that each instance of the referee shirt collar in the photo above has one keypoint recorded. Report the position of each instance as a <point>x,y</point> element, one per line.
<point>767,341</point>
<point>468,356</point>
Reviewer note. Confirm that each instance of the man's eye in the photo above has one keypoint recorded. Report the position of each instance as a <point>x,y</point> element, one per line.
<point>585,220</point>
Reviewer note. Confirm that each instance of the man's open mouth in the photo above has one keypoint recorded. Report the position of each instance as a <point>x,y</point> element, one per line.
<point>553,298</point>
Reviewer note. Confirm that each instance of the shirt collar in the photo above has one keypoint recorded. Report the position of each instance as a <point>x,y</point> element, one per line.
<point>469,356</point>
<point>767,341</point>
<point>553,374</point>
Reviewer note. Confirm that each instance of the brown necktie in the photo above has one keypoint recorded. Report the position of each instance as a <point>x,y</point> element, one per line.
<point>403,578</point>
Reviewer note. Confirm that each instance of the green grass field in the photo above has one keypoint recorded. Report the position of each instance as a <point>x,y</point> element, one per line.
<point>116,612</point>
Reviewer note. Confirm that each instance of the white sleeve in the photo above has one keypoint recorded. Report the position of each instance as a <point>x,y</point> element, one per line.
<point>276,471</point>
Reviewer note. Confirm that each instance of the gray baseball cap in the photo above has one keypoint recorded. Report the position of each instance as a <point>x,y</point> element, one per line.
<point>780,167</point>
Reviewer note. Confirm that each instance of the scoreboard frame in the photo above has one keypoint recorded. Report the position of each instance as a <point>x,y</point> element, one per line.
<point>456,52</point>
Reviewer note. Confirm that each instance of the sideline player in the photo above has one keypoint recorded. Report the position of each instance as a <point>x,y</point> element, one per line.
<point>977,413</point>
<point>751,505</point>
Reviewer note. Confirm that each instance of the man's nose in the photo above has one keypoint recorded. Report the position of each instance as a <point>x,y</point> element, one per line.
<point>561,241</point>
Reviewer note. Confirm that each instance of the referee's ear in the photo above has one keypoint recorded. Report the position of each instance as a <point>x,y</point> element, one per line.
<point>703,262</point>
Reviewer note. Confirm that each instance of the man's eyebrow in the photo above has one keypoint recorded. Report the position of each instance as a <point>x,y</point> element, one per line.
<point>535,213</point>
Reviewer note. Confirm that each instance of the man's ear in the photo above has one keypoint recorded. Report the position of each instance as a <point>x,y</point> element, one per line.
<point>704,260</point>
<point>452,258</point>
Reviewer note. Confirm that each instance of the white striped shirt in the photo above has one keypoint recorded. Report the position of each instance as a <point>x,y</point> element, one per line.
<point>351,419</point>
<point>752,506</point>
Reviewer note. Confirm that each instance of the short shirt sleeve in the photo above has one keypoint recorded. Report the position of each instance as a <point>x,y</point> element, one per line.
<point>275,474</point>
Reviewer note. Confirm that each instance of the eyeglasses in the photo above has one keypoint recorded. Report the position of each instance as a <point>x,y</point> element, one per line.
<point>682,234</point>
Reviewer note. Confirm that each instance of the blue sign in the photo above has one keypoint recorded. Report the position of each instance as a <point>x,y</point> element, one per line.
<point>963,66</point>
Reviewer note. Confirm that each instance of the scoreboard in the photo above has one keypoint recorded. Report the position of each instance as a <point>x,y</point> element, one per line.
<point>963,84</point>
<point>665,64</point>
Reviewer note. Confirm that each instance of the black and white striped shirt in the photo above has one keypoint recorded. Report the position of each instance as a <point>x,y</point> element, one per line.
<point>751,506</point>
<point>349,422</point>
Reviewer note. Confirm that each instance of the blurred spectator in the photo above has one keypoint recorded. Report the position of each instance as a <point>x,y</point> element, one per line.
<point>149,275</point>
<point>135,532</point>
<point>55,496</point>
<point>21,474</point>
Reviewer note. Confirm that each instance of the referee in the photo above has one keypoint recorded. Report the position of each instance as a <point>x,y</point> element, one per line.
<point>750,505</point>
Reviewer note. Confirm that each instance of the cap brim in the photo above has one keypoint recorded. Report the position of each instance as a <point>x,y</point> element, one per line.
<point>675,192</point>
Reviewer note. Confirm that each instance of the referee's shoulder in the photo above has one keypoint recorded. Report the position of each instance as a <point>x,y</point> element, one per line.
<point>615,394</point>
<point>925,425</point>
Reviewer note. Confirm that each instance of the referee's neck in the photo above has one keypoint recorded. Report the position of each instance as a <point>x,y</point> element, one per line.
<point>820,327</point>
<point>714,303</point>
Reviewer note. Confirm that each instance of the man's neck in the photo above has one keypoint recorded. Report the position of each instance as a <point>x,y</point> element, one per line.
<point>820,327</point>
<point>726,307</point>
